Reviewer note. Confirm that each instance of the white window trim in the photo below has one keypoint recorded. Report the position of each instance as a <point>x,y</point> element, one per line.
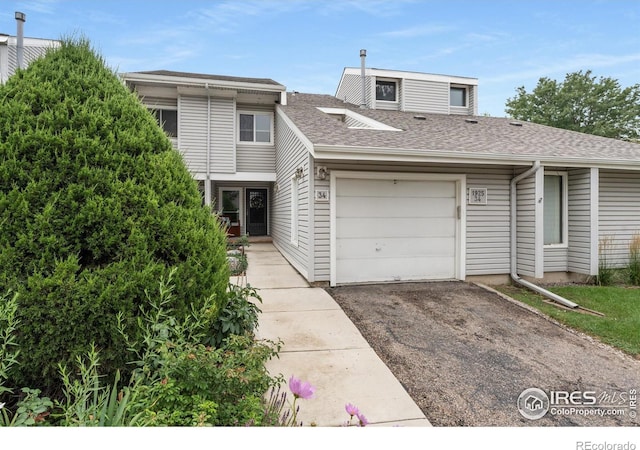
<point>254,113</point>
<point>466,95</point>
<point>295,207</point>
<point>388,102</point>
<point>565,209</point>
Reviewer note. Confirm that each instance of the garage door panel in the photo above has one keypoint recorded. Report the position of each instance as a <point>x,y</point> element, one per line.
<point>395,227</point>
<point>395,269</point>
<point>395,247</point>
<point>399,188</point>
<point>385,207</point>
<point>390,230</point>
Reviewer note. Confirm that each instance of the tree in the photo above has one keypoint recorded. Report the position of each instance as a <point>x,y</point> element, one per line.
<point>95,208</point>
<point>581,103</point>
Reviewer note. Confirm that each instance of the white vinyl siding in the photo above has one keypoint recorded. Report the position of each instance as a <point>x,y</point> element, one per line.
<point>350,90</point>
<point>582,229</point>
<point>619,212</point>
<point>526,226</point>
<point>223,150</point>
<point>291,154</point>
<point>295,205</point>
<point>426,96</point>
<point>192,132</point>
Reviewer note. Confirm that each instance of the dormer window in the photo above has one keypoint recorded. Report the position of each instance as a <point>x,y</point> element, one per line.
<point>387,90</point>
<point>458,96</point>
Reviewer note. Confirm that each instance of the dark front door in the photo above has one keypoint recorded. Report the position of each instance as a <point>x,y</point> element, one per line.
<point>256,212</point>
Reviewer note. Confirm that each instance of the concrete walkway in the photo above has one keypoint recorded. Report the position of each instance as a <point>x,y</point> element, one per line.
<point>323,347</point>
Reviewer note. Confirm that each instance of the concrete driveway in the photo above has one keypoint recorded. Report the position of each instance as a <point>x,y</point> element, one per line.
<point>465,355</point>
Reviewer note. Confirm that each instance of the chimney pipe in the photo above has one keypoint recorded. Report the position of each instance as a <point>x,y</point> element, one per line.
<point>20,20</point>
<point>363,56</point>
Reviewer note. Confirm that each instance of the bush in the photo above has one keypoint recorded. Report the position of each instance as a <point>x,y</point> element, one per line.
<point>95,207</point>
<point>633,271</point>
<point>238,317</point>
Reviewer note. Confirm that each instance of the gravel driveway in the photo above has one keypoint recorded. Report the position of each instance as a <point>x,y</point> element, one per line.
<point>465,354</point>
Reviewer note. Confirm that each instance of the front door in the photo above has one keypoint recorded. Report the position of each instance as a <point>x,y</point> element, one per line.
<point>256,212</point>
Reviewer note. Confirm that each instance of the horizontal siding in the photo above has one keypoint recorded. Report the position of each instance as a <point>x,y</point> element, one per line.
<point>223,153</point>
<point>192,132</point>
<point>579,251</point>
<point>160,102</point>
<point>526,233</point>
<point>555,259</point>
<point>254,157</point>
<point>351,90</point>
<point>290,155</point>
<point>426,96</point>
<point>619,215</point>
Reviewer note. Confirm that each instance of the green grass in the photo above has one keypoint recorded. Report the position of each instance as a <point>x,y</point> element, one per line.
<point>620,327</point>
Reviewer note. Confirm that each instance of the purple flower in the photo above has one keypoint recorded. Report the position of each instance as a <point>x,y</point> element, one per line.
<point>351,409</point>
<point>301,389</point>
<point>363,420</point>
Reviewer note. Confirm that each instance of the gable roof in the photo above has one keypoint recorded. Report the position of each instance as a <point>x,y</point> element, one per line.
<point>458,138</point>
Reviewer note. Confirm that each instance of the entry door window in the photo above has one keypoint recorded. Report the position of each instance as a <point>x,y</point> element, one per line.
<point>231,206</point>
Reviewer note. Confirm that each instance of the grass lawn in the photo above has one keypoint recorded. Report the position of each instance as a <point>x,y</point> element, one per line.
<point>621,305</point>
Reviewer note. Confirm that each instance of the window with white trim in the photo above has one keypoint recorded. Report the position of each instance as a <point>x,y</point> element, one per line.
<point>168,120</point>
<point>255,127</point>
<point>386,90</point>
<point>295,200</point>
<point>555,208</point>
<point>458,96</point>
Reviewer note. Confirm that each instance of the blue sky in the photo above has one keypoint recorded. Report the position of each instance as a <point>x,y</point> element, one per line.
<point>306,44</point>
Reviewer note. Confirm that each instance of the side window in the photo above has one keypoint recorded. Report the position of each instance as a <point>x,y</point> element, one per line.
<point>555,211</point>
<point>458,96</point>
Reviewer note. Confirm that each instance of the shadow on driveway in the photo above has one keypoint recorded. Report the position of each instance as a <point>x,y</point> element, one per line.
<point>465,354</point>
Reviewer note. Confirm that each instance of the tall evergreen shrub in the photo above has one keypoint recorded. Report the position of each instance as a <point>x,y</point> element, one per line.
<point>95,207</point>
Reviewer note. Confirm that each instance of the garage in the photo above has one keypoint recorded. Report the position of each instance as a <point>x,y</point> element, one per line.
<point>396,227</point>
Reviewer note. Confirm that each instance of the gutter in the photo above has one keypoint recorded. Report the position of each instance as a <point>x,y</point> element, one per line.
<point>514,241</point>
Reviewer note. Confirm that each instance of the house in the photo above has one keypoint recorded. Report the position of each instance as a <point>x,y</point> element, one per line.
<point>12,47</point>
<point>396,177</point>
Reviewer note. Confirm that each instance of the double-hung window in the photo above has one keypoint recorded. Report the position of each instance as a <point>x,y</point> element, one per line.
<point>255,127</point>
<point>555,208</point>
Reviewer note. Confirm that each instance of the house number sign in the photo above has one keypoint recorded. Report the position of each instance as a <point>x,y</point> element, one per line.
<point>477,196</point>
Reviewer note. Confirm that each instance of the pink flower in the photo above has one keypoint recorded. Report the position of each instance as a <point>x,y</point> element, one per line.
<point>363,420</point>
<point>351,409</point>
<point>301,389</point>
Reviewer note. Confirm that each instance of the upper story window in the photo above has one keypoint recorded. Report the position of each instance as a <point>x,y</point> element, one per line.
<point>387,90</point>
<point>168,120</point>
<point>458,96</point>
<point>255,127</point>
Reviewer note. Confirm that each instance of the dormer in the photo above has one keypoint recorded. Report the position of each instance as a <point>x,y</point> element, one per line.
<point>409,91</point>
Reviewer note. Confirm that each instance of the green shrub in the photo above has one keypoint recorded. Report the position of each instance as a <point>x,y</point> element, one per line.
<point>95,207</point>
<point>238,317</point>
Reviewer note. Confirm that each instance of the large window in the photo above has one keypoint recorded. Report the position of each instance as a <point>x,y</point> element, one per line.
<point>255,127</point>
<point>386,90</point>
<point>555,209</point>
<point>458,96</point>
<point>168,120</point>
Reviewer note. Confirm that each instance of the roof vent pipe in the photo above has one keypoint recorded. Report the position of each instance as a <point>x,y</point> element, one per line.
<point>20,19</point>
<point>363,56</point>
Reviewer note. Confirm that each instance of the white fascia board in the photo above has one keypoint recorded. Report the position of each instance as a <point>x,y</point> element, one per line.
<point>412,76</point>
<point>299,134</point>
<point>427,155</point>
<point>372,124</point>
<point>201,82</point>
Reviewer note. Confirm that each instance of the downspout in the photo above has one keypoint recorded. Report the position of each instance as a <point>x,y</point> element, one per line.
<point>514,242</point>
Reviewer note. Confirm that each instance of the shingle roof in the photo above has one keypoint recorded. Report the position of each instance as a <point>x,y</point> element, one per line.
<point>204,76</point>
<point>454,135</point>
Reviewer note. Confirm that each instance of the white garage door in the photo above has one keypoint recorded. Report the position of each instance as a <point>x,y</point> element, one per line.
<point>395,229</point>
